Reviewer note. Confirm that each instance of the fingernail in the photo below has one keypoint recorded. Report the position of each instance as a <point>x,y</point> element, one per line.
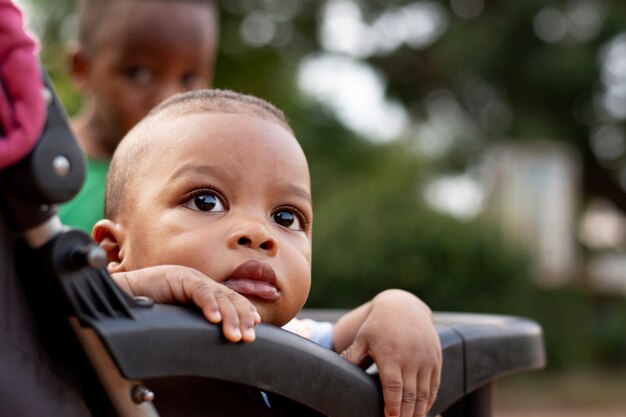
<point>237,334</point>
<point>249,334</point>
<point>215,316</point>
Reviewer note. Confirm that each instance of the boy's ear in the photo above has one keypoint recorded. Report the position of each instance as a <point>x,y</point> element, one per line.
<point>110,236</point>
<point>79,67</point>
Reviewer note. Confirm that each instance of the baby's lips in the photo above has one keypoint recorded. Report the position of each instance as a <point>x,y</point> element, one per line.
<point>253,288</point>
<point>255,279</point>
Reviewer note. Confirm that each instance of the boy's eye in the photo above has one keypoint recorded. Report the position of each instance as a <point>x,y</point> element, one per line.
<point>139,75</point>
<point>288,219</point>
<point>190,80</point>
<point>205,202</point>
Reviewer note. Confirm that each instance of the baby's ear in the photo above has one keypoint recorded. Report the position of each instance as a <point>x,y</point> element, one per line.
<point>109,236</point>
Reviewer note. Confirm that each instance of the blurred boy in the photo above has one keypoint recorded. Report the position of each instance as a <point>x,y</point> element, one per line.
<point>131,55</point>
<point>208,201</point>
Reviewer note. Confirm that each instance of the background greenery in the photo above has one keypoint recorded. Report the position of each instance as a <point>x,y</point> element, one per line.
<point>372,228</point>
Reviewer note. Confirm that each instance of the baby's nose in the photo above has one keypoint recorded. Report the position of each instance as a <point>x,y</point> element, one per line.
<point>253,235</point>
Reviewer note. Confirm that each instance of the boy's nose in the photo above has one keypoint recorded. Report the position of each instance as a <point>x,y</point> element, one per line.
<point>167,90</point>
<point>253,235</point>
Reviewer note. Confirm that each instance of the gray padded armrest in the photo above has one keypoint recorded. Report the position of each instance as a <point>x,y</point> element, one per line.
<point>173,341</point>
<point>495,345</point>
<point>165,341</point>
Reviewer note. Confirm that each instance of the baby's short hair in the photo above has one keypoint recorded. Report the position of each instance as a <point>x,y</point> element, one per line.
<point>220,101</point>
<point>137,142</point>
<point>92,13</point>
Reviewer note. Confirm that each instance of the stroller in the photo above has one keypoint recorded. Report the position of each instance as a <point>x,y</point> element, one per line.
<point>74,344</point>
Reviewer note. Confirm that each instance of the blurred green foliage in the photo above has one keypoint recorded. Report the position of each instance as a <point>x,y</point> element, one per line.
<point>372,230</point>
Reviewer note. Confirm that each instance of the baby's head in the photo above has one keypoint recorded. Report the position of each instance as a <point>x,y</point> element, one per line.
<point>133,54</point>
<point>215,181</point>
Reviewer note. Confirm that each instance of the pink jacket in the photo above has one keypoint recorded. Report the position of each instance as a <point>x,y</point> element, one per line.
<point>22,106</point>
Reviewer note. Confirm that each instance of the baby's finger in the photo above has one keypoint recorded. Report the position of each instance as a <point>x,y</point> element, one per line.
<point>248,316</point>
<point>392,385</point>
<point>204,298</point>
<point>422,396</point>
<point>410,396</point>
<point>435,379</point>
<point>230,318</point>
<point>357,352</point>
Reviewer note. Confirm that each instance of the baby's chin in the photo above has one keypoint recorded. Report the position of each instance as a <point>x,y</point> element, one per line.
<point>272,314</point>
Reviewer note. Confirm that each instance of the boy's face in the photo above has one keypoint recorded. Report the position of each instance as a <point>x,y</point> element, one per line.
<point>228,195</point>
<point>144,52</point>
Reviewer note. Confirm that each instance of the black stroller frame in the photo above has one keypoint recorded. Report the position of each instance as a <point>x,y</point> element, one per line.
<point>73,343</point>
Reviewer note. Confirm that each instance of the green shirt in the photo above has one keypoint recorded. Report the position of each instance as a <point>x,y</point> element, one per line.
<point>88,206</point>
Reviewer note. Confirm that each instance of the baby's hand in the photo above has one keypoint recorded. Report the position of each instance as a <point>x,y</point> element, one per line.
<point>179,284</point>
<point>399,335</point>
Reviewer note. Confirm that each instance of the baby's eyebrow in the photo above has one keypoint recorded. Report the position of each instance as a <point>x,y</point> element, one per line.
<point>187,170</point>
<point>216,171</point>
<point>301,192</point>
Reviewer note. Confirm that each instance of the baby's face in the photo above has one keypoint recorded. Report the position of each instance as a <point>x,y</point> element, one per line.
<point>146,52</point>
<point>228,195</point>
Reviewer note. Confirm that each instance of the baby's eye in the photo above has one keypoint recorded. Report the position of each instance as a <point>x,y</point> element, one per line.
<point>205,202</point>
<point>139,75</point>
<point>288,218</point>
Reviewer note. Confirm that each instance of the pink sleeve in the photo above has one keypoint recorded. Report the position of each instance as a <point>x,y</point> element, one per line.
<point>22,106</point>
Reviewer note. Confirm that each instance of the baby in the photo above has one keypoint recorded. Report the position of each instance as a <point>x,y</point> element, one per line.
<point>208,201</point>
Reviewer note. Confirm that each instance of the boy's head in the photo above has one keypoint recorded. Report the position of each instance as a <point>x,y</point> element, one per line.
<point>132,54</point>
<point>215,181</point>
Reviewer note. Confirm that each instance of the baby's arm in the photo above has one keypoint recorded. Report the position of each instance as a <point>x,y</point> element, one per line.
<point>179,284</point>
<point>396,331</point>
